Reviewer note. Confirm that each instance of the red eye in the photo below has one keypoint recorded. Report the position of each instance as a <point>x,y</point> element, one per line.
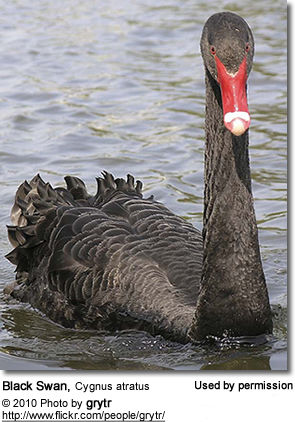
<point>212,49</point>
<point>247,48</point>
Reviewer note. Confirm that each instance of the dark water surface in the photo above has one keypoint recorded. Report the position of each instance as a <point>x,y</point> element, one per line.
<point>118,85</point>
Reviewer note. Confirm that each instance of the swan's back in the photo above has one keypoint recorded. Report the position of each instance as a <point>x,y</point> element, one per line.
<point>110,261</point>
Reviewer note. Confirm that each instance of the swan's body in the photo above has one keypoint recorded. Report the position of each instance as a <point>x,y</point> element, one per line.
<point>115,260</point>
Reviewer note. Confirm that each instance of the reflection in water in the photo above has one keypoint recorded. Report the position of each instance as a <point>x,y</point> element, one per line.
<point>247,363</point>
<point>127,350</point>
<point>102,85</point>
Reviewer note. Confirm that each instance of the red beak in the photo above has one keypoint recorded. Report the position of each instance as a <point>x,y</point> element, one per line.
<point>234,99</point>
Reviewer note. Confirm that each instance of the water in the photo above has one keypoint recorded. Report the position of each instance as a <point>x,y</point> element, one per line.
<point>94,85</point>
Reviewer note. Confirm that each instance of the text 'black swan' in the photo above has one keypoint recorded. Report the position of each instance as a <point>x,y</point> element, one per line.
<point>116,260</point>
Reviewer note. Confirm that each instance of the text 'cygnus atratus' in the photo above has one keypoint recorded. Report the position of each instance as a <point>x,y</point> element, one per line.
<point>116,260</point>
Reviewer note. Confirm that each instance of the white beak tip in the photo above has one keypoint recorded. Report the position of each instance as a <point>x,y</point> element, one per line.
<point>238,127</point>
<point>237,122</point>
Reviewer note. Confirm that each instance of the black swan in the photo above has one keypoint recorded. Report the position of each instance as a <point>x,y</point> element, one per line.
<point>116,260</point>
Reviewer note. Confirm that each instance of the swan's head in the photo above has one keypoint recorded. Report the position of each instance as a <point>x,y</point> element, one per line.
<point>227,48</point>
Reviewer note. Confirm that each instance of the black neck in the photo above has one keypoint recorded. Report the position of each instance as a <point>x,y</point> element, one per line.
<point>233,296</point>
<point>226,164</point>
